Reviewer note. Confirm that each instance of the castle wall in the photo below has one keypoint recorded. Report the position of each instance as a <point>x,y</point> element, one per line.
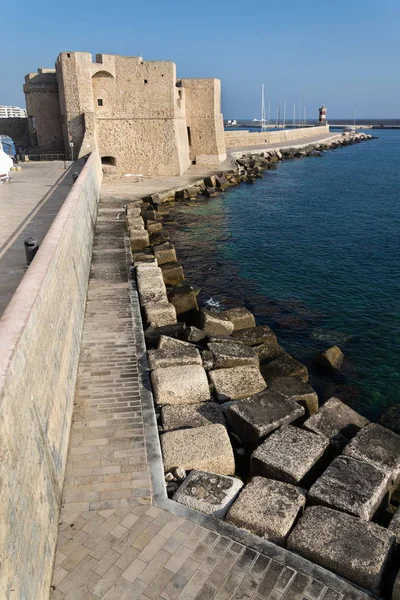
<point>43,108</point>
<point>40,335</point>
<point>204,120</point>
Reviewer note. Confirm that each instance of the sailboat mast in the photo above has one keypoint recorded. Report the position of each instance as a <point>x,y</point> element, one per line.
<point>262,108</point>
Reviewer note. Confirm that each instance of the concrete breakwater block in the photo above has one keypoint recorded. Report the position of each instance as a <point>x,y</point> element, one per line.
<point>206,448</point>
<point>351,485</point>
<point>213,323</point>
<point>139,239</point>
<point>240,317</point>
<point>172,357</point>
<point>354,549</point>
<point>169,343</point>
<point>267,508</point>
<point>331,359</point>
<point>184,298</point>
<point>180,385</point>
<point>269,351</point>
<point>298,391</point>
<point>164,253</point>
<point>192,415</point>
<point>237,382</point>
<point>172,273</point>
<point>153,334</point>
<point>226,355</point>
<point>209,493</point>
<point>159,313</point>
<point>254,336</point>
<point>284,366</point>
<point>289,454</point>
<point>380,447</point>
<point>337,422</point>
<point>252,419</point>
<point>394,525</point>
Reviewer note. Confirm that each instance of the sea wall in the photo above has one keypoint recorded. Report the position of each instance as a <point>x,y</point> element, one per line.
<point>237,139</point>
<point>40,335</point>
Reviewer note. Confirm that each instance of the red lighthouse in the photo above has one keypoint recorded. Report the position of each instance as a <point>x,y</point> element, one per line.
<point>322,115</point>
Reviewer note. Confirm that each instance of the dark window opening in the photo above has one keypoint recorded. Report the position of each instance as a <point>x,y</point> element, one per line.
<point>99,102</point>
<point>68,55</point>
<point>145,81</point>
<point>189,136</point>
<point>108,160</point>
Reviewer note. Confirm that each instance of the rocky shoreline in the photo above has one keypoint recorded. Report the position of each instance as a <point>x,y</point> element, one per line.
<point>241,431</point>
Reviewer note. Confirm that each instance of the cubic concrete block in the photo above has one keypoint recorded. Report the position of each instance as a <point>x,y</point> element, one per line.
<point>396,588</point>
<point>173,357</point>
<point>206,448</point>
<point>394,525</point>
<point>289,454</point>
<point>209,493</point>
<point>298,391</point>
<point>172,273</point>
<point>336,421</point>
<point>267,508</point>
<point>357,550</point>
<point>158,314</point>
<point>226,355</point>
<point>269,351</point>
<point>164,253</point>
<point>380,447</point>
<point>351,485</point>
<point>169,343</point>
<point>184,299</point>
<point>191,415</point>
<point>331,359</point>
<point>284,366</point>
<point>254,336</point>
<point>180,385</point>
<point>236,383</point>
<point>240,317</point>
<point>213,323</point>
<point>139,239</point>
<point>252,419</point>
<point>153,334</point>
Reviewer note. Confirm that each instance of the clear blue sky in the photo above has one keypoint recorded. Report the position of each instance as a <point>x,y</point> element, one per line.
<point>340,53</point>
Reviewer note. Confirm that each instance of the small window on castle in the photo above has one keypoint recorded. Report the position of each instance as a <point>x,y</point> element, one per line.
<point>145,81</point>
<point>99,102</point>
<point>68,55</point>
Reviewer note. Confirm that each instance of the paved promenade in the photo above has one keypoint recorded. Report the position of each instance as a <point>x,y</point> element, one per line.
<point>28,206</point>
<point>113,543</point>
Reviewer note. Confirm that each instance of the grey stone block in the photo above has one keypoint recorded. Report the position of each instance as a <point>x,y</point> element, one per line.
<point>173,357</point>
<point>331,359</point>
<point>254,336</point>
<point>209,493</point>
<point>240,317</point>
<point>184,299</point>
<point>169,343</point>
<point>152,334</point>
<point>213,323</point>
<point>252,419</point>
<point>164,253</point>
<point>193,334</point>
<point>269,351</point>
<point>380,447</point>
<point>158,314</point>
<point>351,485</point>
<point>192,415</point>
<point>180,385</point>
<point>289,454</point>
<point>354,549</point>
<point>394,525</point>
<point>226,355</point>
<point>172,273</point>
<point>236,383</point>
<point>206,448</point>
<point>284,366</point>
<point>267,508</point>
<point>336,421</point>
<point>396,588</point>
<point>298,391</point>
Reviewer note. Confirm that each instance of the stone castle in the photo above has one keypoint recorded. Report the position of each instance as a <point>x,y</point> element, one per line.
<point>136,113</point>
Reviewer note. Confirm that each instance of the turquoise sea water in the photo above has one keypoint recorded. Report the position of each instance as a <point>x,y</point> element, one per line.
<point>314,250</point>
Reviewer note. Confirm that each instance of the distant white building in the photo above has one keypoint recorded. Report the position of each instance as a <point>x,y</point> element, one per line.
<point>12,111</point>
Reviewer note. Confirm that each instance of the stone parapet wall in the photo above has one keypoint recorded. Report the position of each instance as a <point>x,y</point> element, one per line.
<point>40,335</point>
<point>237,139</point>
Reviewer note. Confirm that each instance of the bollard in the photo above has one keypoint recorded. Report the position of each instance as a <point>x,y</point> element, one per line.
<point>31,247</point>
<point>75,176</point>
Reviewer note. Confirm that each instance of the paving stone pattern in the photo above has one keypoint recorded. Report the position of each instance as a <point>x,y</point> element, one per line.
<point>113,544</point>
